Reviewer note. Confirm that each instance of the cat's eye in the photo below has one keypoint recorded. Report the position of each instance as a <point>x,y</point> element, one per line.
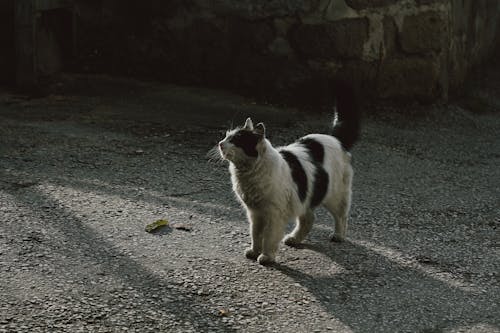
<point>235,136</point>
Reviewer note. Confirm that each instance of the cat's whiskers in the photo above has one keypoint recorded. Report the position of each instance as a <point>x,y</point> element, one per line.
<point>214,156</point>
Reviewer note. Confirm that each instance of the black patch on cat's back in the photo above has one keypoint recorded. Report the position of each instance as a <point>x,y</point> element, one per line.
<point>320,186</point>
<point>247,141</point>
<point>298,173</point>
<point>316,152</point>
<point>315,149</point>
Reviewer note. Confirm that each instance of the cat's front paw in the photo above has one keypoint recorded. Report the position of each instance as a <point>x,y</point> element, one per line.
<point>251,254</point>
<point>291,241</point>
<point>337,238</point>
<point>264,259</point>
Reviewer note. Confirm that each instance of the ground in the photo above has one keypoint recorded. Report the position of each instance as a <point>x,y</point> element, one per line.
<point>83,173</point>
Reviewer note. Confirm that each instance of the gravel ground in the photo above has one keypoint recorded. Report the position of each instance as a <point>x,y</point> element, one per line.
<point>82,174</point>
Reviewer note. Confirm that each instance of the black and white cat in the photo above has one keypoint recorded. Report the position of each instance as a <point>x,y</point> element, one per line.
<point>277,185</point>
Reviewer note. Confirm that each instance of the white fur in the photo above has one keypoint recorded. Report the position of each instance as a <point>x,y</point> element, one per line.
<point>265,187</point>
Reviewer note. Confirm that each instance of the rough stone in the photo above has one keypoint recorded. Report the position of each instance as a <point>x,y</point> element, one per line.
<point>206,50</point>
<point>362,74</point>
<point>423,32</point>
<point>281,25</point>
<point>281,47</point>
<point>409,76</point>
<point>49,55</point>
<point>7,56</point>
<point>250,36</point>
<point>339,39</point>
<point>243,44</point>
<point>363,4</point>
<point>261,9</point>
<point>269,76</point>
<point>430,2</point>
<point>333,11</point>
<point>390,36</point>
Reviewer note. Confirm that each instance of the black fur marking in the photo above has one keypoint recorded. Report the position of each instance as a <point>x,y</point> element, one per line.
<point>317,156</point>
<point>348,128</point>
<point>298,173</point>
<point>316,149</point>
<point>246,140</point>
<point>320,186</point>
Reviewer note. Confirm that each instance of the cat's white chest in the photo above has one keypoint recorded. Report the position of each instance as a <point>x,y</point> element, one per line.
<point>250,194</point>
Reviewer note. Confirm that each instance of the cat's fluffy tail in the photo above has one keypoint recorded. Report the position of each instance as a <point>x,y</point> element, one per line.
<point>346,122</point>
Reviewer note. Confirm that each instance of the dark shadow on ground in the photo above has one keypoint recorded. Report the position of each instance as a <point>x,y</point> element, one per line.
<point>106,100</point>
<point>388,297</point>
<point>87,247</point>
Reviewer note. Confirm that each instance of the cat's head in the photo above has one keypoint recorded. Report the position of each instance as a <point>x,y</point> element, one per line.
<point>243,146</point>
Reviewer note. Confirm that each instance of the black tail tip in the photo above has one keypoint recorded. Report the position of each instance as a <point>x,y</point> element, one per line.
<point>347,128</point>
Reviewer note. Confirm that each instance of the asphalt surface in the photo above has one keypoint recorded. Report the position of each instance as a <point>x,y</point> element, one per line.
<point>82,174</point>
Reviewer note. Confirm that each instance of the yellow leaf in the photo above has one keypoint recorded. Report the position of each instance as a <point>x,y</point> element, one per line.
<point>155,225</point>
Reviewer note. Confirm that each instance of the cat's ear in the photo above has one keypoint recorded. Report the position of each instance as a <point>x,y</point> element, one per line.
<point>260,129</point>
<point>248,124</point>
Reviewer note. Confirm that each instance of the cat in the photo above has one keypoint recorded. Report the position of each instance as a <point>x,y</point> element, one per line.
<point>276,185</point>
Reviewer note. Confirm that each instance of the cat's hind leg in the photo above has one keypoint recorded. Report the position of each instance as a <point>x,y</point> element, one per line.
<point>339,207</point>
<point>302,228</point>
<point>340,212</point>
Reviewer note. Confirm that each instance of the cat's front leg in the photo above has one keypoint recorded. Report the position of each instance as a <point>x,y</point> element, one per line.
<point>272,236</point>
<point>256,228</point>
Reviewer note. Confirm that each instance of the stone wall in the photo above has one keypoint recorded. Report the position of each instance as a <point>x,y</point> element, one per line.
<point>474,36</point>
<point>289,50</point>
<point>7,45</point>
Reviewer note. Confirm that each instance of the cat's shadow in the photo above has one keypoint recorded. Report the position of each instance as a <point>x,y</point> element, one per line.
<point>326,248</point>
<point>379,281</point>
